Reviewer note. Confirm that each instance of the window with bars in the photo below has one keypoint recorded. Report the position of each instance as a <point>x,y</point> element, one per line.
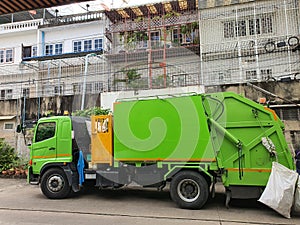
<point>2,59</point>
<point>54,49</point>
<point>58,49</point>
<point>77,88</point>
<point>254,26</point>
<point>155,39</point>
<point>241,29</point>
<point>262,24</point>
<point>94,87</point>
<point>9,94</point>
<point>2,94</point>
<point>89,88</point>
<point>49,49</point>
<point>34,51</point>
<point>87,45</point>
<point>8,126</point>
<point>224,77</point>
<point>266,24</point>
<point>229,27</point>
<point>251,75</point>
<point>6,94</point>
<point>58,90</point>
<point>6,55</point>
<point>77,46</point>
<point>25,92</point>
<point>9,55</point>
<point>266,74</point>
<point>98,87</point>
<point>178,37</point>
<point>98,44</point>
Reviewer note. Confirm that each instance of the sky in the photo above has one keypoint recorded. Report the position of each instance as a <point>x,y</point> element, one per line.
<point>96,5</point>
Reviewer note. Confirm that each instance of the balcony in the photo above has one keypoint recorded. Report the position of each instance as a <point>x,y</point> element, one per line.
<point>158,49</point>
<point>147,23</point>
<point>20,26</point>
<point>72,19</point>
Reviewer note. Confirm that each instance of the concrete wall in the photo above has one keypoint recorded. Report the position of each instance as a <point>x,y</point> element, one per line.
<point>8,134</point>
<point>289,90</point>
<point>9,107</point>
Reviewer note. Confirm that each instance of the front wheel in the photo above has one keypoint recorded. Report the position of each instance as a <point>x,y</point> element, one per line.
<point>54,184</point>
<point>189,190</point>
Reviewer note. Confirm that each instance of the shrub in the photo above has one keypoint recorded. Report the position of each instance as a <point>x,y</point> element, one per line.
<point>8,157</point>
<point>91,111</point>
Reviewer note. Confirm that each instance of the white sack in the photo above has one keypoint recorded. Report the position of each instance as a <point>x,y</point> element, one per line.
<point>297,197</point>
<point>279,192</point>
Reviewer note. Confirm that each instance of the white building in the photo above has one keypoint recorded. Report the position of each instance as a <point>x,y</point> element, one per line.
<point>254,41</point>
<point>34,54</point>
<point>234,42</point>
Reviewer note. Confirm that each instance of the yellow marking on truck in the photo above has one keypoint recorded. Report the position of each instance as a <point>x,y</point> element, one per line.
<point>50,156</point>
<point>273,112</point>
<point>169,160</point>
<point>251,170</point>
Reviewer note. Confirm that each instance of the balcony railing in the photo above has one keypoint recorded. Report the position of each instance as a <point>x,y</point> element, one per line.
<point>20,26</point>
<point>70,19</point>
<point>154,22</point>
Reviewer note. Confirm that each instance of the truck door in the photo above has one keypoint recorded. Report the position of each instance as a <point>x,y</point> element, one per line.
<point>43,149</point>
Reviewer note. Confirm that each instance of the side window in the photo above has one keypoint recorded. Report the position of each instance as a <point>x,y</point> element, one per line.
<point>45,131</point>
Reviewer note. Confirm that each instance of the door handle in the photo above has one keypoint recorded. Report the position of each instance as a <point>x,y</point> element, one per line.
<point>51,149</point>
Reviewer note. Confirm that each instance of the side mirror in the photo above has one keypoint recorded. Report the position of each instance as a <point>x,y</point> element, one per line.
<point>19,128</point>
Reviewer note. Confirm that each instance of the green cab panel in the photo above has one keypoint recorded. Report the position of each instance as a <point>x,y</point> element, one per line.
<point>52,142</point>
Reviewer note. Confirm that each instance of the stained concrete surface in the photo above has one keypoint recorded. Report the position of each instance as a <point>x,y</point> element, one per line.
<point>21,203</point>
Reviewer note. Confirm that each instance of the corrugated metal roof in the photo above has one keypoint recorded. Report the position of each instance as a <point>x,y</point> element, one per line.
<point>9,6</point>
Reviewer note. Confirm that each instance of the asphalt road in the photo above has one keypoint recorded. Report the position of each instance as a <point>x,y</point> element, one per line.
<point>21,203</point>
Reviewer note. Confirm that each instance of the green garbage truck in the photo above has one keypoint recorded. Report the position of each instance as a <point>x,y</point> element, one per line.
<point>186,142</point>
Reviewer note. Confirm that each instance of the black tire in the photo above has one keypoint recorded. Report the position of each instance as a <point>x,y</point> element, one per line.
<point>54,184</point>
<point>270,47</point>
<point>189,190</point>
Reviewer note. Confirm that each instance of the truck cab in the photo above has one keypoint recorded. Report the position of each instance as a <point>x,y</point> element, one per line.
<point>53,155</point>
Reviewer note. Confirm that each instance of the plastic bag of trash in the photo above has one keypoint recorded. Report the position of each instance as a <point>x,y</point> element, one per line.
<point>297,197</point>
<point>279,192</point>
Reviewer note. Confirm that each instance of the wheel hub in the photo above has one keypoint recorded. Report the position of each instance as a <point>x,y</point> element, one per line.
<point>188,190</point>
<point>55,183</point>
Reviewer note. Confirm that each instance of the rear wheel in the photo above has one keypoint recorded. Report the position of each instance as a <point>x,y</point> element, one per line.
<point>54,184</point>
<point>189,190</point>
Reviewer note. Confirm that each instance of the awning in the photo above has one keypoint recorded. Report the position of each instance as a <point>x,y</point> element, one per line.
<point>9,6</point>
<point>7,117</point>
